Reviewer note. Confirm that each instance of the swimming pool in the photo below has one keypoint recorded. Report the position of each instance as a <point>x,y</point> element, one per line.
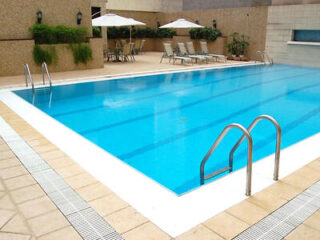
<point>163,125</point>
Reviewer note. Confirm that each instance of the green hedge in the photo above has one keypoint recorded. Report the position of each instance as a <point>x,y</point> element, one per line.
<point>48,55</point>
<point>96,32</point>
<point>124,32</point>
<point>82,52</point>
<point>207,33</point>
<point>44,34</point>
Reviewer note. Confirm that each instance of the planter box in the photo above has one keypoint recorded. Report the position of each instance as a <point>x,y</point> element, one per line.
<point>15,53</point>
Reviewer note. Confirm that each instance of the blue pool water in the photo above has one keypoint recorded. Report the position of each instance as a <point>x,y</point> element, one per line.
<point>163,125</point>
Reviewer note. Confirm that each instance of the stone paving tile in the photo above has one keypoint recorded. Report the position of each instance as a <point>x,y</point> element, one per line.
<point>16,225</point>
<point>303,232</point>
<point>314,221</point>
<point>108,204</point>
<point>5,216</point>
<point>11,172</point>
<point>37,207</point>
<point>125,220</point>
<point>93,191</point>
<point>67,233</point>
<point>199,233</point>
<point>5,203</point>
<point>48,223</point>
<point>70,170</point>
<point>60,162</point>
<point>81,180</point>
<point>226,225</point>
<point>14,236</point>
<point>6,155</point>
<point>45,148</point>
<point>9,162</point>
<point>302,178</point>
<point>248,212</point>
<point>27,193</point>
<point>146,231</point>
<point>19,182</point>
<point>51,155</point>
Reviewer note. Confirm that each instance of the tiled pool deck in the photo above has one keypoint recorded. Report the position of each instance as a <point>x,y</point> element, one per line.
<point>26,212</point>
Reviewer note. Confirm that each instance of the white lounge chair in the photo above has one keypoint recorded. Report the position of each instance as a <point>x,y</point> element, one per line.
<point>168,53</point>
<point>205,51</point>
<point>183,52</point>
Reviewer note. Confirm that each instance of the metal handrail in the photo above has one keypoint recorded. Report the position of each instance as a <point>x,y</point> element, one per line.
<point>278,144</point>
<point>268,58</point>
<point>26,74</point>
<point>217,142</point>
<point>44,69</point>
<point>261,53</point>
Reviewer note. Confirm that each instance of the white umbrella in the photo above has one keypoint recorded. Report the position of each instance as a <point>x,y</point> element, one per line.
<point>182,23</point>
<point>113,20</point>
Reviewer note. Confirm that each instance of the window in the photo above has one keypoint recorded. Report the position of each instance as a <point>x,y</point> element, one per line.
<point>306,35</point>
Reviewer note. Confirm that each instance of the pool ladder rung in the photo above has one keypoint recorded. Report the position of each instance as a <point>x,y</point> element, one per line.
<point>246,134</point>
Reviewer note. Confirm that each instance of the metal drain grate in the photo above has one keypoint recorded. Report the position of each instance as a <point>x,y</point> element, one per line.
<point>87,222</point>
<point>285,219</point>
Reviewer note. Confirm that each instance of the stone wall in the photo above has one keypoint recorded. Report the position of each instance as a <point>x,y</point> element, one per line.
<point>282,20</point>
<point>19,16</point>
<point>248,21</point>
<point>146,5</point>
<point>14,54</point>
<point>217,4</point>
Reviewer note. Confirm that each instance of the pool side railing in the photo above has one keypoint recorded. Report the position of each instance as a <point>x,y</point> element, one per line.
<point>246,134</point>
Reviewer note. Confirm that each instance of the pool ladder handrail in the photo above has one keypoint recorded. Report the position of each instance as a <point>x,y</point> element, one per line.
<point>215,145</point>
<point>278,143</point>
<point>27,74</point>
<point>246,134</point>
<point>44,69</point>
<point>264,55</point>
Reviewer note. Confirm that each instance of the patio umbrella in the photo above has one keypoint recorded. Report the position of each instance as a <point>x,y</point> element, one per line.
<point>182,23</point>
<point>113,20</point>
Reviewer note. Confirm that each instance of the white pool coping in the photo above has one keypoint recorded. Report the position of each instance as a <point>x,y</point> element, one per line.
<point>173,214</point>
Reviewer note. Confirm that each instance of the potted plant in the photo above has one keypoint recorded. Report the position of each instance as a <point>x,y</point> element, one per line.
<point>243,46</point>
<point>233,47</point>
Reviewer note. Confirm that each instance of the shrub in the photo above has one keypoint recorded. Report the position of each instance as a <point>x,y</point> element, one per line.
<point>81,52</point>
<point>44,34</point>
<point>48,55</point>
<point>96,32</point>
<point>239,45</point>
<point>166,33</point>
<point>118,32</point>
<point>207,33</point>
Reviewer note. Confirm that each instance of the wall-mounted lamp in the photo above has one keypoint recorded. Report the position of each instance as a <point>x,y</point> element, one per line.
<point>214,23</point>
<point>158,24</point>
<point>39,17</point>
<point>197,21</point>
<point>79,18</point>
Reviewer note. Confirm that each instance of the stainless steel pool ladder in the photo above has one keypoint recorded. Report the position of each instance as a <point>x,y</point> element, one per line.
<point>246,134</point>
<point>44,69</point>
<point>263,57</point>
<point>27,74</point>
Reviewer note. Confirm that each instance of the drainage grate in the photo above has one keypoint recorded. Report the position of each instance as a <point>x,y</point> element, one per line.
<point>87,222</point>
<point>285,219</point>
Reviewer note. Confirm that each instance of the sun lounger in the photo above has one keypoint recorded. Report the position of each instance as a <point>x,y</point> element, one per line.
<point>168,53</point>
<point>205,51</point>
<point>184,53</point>
<point>192,51</point>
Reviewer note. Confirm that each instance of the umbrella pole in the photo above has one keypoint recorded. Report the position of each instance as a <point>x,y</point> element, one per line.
<point>130,33</point>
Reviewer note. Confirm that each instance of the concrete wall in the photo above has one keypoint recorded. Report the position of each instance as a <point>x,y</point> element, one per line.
<point>216,4</point>
<point>14,54</point>
<point>282,20</point>
<point>249,21</point>
<point>146,5</point>
<point>16,16</point>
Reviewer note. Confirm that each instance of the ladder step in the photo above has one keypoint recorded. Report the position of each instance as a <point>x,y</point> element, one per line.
<point>216,173</point>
